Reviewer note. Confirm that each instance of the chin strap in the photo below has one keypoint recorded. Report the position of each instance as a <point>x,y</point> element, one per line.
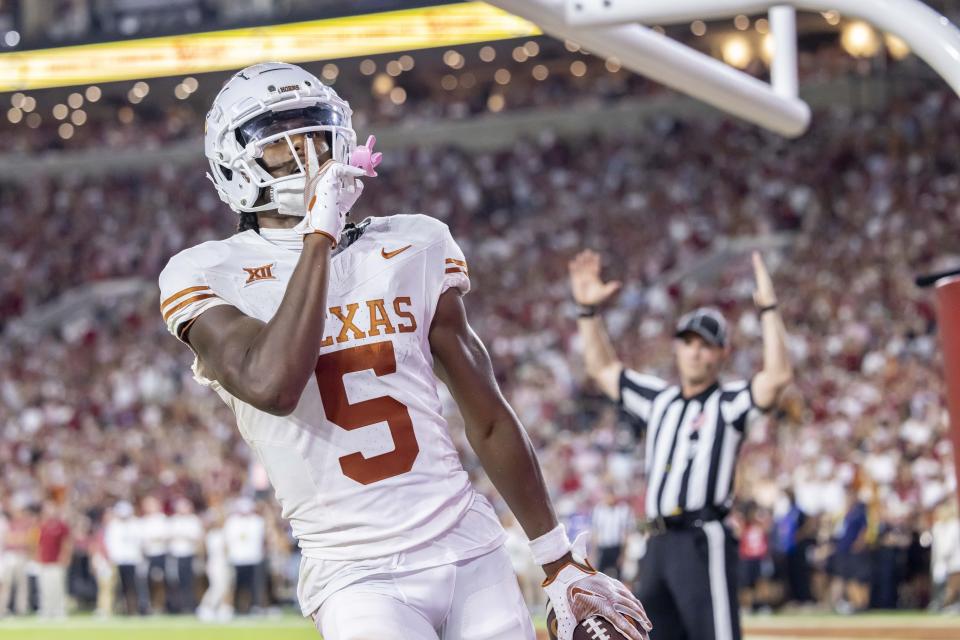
<point>288,196</point>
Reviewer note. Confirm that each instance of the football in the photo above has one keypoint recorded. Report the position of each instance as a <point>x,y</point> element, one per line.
<point>593,628</point>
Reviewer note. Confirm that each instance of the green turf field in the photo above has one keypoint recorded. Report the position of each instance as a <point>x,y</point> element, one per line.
<point>287,627</point>
<point>290,626</point>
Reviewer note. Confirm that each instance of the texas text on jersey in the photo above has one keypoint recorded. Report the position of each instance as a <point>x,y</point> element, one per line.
<point>364,467</point>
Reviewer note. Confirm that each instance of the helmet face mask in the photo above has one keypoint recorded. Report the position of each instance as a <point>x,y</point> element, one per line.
<point>251,114</point>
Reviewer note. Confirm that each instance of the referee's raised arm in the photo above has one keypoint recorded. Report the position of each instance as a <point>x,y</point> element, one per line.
<point>777,371</point>
<point>589,292</point>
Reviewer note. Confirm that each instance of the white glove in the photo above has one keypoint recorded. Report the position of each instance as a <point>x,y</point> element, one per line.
<point>578,591</point>
<point>329,193</point>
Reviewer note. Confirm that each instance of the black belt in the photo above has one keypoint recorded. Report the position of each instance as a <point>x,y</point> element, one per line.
<point>685,520</point>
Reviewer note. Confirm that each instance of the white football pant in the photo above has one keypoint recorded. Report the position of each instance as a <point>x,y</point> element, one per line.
<point>476,599</point>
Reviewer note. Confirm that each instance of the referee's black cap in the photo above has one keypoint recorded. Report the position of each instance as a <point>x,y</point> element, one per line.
<point>706,322</point>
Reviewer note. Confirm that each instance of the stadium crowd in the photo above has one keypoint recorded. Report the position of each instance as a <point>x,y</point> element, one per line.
<point>122,475</point>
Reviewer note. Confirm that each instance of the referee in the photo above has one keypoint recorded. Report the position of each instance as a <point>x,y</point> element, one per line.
<point>693,433</point>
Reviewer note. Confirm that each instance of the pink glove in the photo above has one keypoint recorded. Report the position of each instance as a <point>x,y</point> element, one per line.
<point>364,158</point>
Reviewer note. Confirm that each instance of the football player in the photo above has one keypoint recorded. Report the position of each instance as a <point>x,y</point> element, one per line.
<point>327,343</point>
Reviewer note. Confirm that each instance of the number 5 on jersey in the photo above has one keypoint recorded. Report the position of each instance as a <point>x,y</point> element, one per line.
<point>380,357</point>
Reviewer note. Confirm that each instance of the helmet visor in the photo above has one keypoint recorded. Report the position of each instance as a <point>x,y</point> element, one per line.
<point>276,122</point>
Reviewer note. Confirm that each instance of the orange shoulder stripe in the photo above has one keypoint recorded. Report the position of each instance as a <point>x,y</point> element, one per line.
<point>456,270</point>
<point>181,305</point>
<point>180,293</point>
<point>454,261</point>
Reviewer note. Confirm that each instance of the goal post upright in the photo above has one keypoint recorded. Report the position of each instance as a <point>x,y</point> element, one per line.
<point>673,64</point>
<point>615,28</point>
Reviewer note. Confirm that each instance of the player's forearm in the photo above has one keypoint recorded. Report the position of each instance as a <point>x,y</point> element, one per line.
<point>283,356</point>
<point>598,352</point>
<point>776,357</point>
<point>508,457</point>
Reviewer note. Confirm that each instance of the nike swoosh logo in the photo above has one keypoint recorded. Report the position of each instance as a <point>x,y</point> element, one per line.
<point>575,591</point>
<point>390,254</point>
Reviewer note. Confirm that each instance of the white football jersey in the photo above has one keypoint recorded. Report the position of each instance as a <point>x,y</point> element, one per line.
<point>364,467</point>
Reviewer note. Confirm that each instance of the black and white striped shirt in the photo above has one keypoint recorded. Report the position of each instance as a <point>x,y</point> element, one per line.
<point>611,524</point>
<point>691,443</point>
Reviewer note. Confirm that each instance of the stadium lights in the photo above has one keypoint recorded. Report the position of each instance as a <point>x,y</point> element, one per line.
<point>382,84</point>
<point>334,38</point>
<point>860,40</point>
<point>330,72</point>
<point>737,52</point>
<point>767,48</point>
<point>398,95</point>
<point>896,46</point>
<point>394,69</point>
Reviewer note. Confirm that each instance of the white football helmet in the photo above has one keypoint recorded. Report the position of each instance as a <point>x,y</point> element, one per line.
<point>260,105</point>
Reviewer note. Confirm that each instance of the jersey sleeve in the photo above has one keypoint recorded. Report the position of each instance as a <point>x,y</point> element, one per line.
<point>637,393</point>
<point>455,272</point>
<point>184,294</point>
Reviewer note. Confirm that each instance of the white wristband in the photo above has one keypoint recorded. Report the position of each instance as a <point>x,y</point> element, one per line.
<point>551,546</point>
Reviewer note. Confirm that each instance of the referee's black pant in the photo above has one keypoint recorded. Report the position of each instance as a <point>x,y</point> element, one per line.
<point>688,584</point>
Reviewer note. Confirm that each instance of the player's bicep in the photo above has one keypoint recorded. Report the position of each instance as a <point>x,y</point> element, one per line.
<point>221,338</point>
<point>464,364</point>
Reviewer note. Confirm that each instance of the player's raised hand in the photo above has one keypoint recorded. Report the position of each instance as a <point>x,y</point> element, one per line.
<point>763,295</point>
<point>329,192</point>
<point>585,282</point>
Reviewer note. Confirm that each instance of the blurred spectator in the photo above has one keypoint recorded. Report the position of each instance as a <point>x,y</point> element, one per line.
<point>852,561</point>
<point>794,537</point>
<point>245,533</point>
<point>81,579</point>
<point>611,522</point>
<point>18,546</point>
<point>755,561</point>
<point>946,556</point>
<point>155,538</point>
<point>123,540</point>
<point>53,555</point>
<point>186,536</point>
<point>215,604</point>
<point>104,570</point>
